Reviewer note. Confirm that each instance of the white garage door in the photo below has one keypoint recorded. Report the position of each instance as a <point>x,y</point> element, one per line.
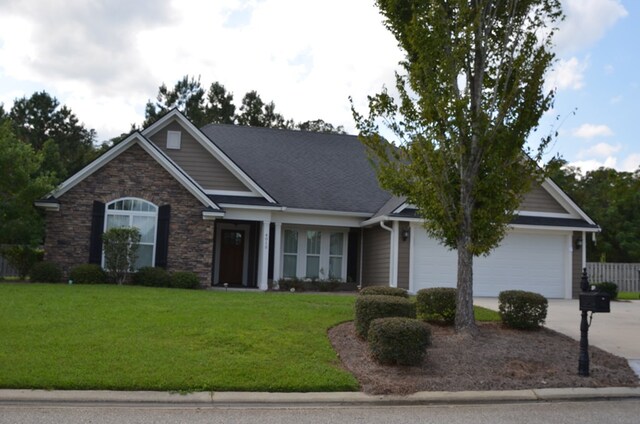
<point>523,261</point>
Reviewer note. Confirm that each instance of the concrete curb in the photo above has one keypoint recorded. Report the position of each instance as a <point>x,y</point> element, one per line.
<point>231,399</point>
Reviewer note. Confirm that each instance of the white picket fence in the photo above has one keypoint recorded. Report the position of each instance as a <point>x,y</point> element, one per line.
<point>626,276</point>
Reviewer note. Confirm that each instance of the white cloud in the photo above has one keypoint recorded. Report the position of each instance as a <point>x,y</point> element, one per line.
<point>593,164</point>
<point>601,150</point>
<point>568,74</point>
<point>586,22</point>
<point>631,163</point>
<point>591,131</point>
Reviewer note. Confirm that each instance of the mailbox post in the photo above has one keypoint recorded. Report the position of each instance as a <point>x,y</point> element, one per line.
<point>590,301</point>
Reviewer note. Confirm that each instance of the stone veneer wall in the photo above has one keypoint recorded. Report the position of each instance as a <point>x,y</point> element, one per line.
<point>132,174</point>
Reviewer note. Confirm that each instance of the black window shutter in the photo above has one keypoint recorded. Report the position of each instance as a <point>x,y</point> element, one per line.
<point>352,256</point>
<point>162,236</point>
<point>97,227</point>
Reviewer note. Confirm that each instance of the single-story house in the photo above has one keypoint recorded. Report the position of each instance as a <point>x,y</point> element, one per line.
<point>245,206</point>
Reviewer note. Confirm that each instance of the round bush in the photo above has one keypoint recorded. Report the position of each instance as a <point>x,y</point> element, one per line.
<point>46,272</point>
<point>151,277</point>
<point>368,308</point>
<point>522,309</point>
<point>184,280</point>
<point>384,291</point>
<point>88,274</point>
<point>401,341</point>
<point>437,304</point>
<point>609,288</point>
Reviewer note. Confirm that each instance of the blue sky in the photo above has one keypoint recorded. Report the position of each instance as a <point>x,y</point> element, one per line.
<point>106,58</point>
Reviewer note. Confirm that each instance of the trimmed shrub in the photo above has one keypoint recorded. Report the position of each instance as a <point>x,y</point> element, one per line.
<point>151,277</point>
<point>88,274</point>
<point>291,283</point>
<point>401,341</point>
<point>608,287</point>
<point>522,309</point>
<point>368,308</point>
<point>46,272</point>
<point>184,280</point>
<point>437,304</point>
<point>120,251</point>
<point>384,291</point>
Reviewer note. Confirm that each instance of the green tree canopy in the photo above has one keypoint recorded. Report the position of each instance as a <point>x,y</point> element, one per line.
<point>21,183</point>
<point>470,94</point>
<point>216,106</point>
<point>39,120</point>
<point>612,199</point>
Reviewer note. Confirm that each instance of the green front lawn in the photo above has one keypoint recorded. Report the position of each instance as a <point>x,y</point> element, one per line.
<point>628,295</point>
<point>138,338</point>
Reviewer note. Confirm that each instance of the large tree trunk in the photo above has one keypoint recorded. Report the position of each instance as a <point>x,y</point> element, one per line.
<point>465,320</point>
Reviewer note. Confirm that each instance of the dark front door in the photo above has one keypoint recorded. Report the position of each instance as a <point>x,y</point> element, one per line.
<point>231,256</point>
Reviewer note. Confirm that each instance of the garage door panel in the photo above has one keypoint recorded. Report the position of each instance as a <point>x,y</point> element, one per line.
<point>524,261</point>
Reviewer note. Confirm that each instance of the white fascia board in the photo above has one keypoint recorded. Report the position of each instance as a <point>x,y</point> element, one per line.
<point>544,214</point>
<point>232,193</point>
<point>562,198</point>
<point>49,206</point>
<point>210,147</point>
<point>254,207</point>
<point>404,206</point>
<point>287,217</point>
<point>553,228</point>
<point>211,215</point>
<point>381,218</point>
<point>327,212</point>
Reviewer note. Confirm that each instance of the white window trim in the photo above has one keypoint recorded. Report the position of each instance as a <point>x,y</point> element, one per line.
<point>131,214</point>
<point>325,242</point>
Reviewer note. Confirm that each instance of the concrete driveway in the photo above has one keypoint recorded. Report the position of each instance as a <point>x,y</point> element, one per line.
<point>617,332</point>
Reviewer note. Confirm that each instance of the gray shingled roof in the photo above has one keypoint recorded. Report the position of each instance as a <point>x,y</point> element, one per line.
<point>301,169</point>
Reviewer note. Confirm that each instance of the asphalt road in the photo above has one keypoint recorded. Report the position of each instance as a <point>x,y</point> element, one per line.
<point>624,411</point>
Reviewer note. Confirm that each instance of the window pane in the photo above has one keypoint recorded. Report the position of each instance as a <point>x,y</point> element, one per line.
<point>117,221</point>
<point>147,227</point>
<point>335,248</point>
<point>289,266</point>
<point>313,267</point>
<point>313,242</point>
<point>335,268</point>
<point>145,256</point>
<point>290,241</point>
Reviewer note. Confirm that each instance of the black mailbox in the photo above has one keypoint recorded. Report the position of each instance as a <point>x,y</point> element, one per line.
<point>595,302</point>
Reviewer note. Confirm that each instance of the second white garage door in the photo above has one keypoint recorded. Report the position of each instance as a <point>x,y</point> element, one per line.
<point>524,261</point>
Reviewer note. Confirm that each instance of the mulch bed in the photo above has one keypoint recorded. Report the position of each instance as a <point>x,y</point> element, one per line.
<point>498,359</point>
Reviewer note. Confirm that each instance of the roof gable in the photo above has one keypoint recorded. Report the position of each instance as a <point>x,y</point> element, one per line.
<point>138,139</point>
<point>220,156</point>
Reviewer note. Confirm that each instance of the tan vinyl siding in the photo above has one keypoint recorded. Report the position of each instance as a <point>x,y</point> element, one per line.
<point>403,258</point>
<point>539,200</point>
<point>197,162</point>
<point>375,258</point>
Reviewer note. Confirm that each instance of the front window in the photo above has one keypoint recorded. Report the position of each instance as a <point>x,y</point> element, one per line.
<point>314,254</point>
<point>138,213</point>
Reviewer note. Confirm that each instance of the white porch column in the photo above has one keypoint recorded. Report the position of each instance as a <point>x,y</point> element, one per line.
<point>413,228</point>
<point>263,256</point>
<point>277,236</point>
<point>393,260</point>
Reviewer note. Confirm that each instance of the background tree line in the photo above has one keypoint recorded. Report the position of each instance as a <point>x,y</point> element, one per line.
<point>612,199</point>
